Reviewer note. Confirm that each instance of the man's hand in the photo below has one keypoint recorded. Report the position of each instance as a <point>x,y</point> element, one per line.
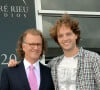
<point>12,63</point>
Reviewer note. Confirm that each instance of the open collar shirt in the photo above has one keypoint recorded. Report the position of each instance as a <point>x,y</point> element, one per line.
<point>88,70</point>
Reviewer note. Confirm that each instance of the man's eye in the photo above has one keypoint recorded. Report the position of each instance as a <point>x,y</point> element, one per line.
<point>60,36</point>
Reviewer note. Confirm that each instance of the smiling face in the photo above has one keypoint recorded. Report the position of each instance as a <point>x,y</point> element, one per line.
<point>32,46</point>
<point>66,38</point>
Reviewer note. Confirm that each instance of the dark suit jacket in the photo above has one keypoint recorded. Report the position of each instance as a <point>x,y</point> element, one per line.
<point>15,78</point>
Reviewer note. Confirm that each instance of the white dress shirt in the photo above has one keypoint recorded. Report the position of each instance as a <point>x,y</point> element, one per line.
<point>36,70</point>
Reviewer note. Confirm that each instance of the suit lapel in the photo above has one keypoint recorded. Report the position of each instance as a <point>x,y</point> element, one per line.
<point>42,77</point>
<point>23,76</point>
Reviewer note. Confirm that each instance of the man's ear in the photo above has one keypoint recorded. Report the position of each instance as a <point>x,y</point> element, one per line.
<point>23,46</point>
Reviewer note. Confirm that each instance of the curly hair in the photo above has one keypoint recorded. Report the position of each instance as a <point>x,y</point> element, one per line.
<point>67,21</point>
<point>32,31</point>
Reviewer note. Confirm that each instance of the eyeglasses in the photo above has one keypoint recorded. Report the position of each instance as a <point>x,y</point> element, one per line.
<point>34,44</point>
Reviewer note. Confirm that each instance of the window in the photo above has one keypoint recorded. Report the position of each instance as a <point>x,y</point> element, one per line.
<point>87,12</point>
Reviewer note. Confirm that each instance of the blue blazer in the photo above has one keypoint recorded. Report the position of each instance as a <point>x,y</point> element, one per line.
<point>15,78</point>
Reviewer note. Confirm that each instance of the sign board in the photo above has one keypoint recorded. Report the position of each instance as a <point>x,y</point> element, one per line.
<point>15,17</point>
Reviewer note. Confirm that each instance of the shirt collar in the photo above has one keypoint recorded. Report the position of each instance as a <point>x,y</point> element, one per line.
<point>27,64</point>
<point>80,53</point>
